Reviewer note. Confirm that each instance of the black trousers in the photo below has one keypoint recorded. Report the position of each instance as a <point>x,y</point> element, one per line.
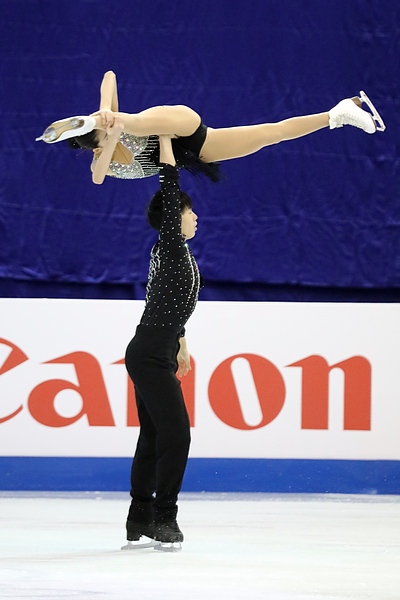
<point>162,450</point>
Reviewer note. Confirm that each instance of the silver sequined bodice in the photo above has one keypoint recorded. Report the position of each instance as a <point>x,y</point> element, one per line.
<point>142,165</point>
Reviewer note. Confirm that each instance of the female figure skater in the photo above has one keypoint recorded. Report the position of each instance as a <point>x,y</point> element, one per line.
<point>126,145</point>
<point>152,359</point>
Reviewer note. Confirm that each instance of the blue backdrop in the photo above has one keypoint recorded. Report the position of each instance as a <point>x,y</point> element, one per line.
<point>311,219</point>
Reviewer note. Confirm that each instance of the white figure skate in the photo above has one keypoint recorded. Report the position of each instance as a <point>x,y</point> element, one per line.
<point>67,128</point>
<point>349,112</point>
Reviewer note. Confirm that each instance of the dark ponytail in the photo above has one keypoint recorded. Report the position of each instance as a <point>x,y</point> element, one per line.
<point>88,141</point>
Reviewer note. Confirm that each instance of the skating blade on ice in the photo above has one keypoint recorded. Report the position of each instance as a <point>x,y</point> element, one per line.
<point>160,546</point>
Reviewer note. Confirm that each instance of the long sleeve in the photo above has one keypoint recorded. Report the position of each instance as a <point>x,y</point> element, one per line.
<point>171,238</point>
<point>174,278</point>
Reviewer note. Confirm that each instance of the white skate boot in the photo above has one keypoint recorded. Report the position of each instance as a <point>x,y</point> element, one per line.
<point>349,112</point>
<point>67,128</point>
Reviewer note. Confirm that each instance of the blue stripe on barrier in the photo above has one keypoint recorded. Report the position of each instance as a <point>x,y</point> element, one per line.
<point>207,474</point>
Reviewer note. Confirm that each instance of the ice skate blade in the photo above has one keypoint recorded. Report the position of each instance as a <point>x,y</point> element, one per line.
<point>379,124</point>
<point>140,545</point>
<point>168,546</point>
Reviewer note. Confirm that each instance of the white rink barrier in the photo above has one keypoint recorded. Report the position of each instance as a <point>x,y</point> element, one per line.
<point>281,396</point>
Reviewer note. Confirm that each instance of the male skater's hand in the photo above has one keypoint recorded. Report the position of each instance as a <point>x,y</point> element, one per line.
<point>183,358</point>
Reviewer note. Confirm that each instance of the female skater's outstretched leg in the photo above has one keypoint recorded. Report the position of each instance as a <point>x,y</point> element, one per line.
<point>234,142</point>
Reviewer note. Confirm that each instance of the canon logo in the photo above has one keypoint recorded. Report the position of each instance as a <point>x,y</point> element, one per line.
<point>225,392</point>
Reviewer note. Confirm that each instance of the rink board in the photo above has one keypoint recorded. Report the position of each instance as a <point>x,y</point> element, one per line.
<point>284,397</point>
<point>207,475</point>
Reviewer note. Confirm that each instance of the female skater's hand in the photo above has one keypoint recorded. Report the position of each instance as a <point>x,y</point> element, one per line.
<point>107,116</point>
<point>115,128</point>
<point>104,154</point>
<point>166,152</point>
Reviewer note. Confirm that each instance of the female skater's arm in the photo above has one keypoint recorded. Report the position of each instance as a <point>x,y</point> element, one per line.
<point>109,89</point>
<point>108,99</point>
<point>103,157</point>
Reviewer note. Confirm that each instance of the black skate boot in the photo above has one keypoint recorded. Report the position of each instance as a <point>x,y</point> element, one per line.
<point>167,532</point>
<point>139,523</point>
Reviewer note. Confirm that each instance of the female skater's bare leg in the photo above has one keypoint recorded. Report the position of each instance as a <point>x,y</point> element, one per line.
<point>223,144</point>
<point>233,142</point>
<point>175,120</point>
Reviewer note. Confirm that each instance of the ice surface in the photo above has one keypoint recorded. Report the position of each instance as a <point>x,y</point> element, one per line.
<point>237,546</point>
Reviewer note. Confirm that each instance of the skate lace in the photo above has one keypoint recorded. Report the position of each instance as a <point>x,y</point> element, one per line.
<point>348,119</point>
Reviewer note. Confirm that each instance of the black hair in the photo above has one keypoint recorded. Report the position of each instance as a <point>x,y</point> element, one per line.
<point>88,141</point>
<point>155,208</point>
